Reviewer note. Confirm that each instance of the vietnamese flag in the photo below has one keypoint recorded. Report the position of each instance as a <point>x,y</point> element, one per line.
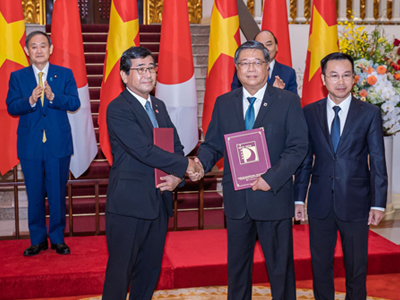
<point>12,58</point>
<point>68,52</point>
<point>224,40</point>
<point>275,19</point>
<point>323,40</point>
<point>122,34</point>
<point>176,84</point>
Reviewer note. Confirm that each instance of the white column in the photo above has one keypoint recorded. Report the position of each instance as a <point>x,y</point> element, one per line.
<point>369,11</point>
<point>257,10</point>
<point>383,11</point>
<point>300,12</point>
<point>395,11</point>
<point>288,9</point>
<point>342,10</point>
<point>356,11</point>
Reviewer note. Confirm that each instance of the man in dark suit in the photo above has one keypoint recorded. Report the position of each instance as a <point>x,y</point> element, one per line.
<point>348,179</point>
<point>266,209</point>
<point>136,211</point>
<point>41,95</point>
<point>280,76</point>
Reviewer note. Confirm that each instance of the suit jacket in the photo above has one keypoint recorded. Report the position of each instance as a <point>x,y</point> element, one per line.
<point>286,134</point>
<point>52,117</point>
<point>286,73</point>
<point>131,189</point>
<point>357,172</point>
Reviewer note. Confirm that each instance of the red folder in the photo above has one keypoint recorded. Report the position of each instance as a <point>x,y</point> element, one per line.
<point>163,138</point>
<point>248,156</point>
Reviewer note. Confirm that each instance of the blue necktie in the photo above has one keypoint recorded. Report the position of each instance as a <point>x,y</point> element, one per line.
<point>249,119</point>
<point>335,129</point>
<point>151,114</point>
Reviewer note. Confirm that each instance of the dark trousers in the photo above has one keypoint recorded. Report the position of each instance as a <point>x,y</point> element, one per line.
<point>135,248</point>
<point>46,175</point>
<point>323,237</point>
<point>276,241</point>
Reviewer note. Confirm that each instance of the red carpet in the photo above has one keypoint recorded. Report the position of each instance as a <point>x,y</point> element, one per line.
<point>192,258</point>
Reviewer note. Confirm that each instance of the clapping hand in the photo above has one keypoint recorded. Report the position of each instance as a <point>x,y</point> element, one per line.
<point>278,83</point>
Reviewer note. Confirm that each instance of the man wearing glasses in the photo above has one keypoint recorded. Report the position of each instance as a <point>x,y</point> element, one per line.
<point>348,179</point>
<point>137,211</point>
<point>267,208</point>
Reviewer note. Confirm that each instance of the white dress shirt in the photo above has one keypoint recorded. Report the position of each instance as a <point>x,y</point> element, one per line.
<point>141,99</point>
<point>257,104</point>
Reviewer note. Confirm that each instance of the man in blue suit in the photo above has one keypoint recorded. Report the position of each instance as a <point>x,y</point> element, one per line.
<point>280,76</point>
<point>137,211</point>
<point>41,95</point>
<point>348,179</point>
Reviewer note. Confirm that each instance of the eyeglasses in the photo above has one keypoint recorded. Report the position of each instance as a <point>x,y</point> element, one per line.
<point>143,70</point>
<point>336,77</point>
<point>256,64</point>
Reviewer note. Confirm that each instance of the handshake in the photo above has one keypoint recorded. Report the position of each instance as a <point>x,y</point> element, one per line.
<point>195,169</point>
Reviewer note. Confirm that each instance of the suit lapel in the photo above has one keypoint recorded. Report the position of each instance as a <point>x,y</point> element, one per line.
<point>275,72</point>
<point>265,105</point>
<point>323,121</point>
<point>238,107</point>
<point>137,107</point>
<point>159,113</point>
<point>350,120</point>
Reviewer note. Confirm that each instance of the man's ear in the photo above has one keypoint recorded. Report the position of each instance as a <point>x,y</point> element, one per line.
<point>323,79</point>
<point>26,51</point>
<point>124,77</point>
<point>51,49</point>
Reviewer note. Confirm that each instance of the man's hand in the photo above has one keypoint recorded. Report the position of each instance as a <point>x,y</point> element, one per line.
<point>169,184</point>
<point>375,216</point>
<point>260,184</point>
<point>278,83</point>
<point>48,91</point>
<point>299,212</point>
<point>36,94</point>
<point>195,170</point>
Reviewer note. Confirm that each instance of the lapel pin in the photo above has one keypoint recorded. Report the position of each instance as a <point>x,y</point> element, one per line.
<point>265,104</point>
<point>156,111</point>
<point>51,78</point>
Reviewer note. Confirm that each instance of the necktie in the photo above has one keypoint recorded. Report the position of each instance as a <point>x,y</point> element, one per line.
<point>151,114</point>
<point>335,128</point>
<point>249,119</point>
<point>44,139</point>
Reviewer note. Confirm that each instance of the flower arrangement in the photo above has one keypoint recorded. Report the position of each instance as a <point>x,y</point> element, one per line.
<point>377,70</point>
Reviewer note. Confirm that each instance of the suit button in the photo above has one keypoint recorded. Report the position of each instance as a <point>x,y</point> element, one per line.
<point>44,115</point>
<point>330,177</point>
<point>335,158</point>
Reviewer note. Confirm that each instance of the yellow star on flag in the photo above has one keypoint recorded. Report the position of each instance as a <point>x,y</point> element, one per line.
<point>321,42</point>
<point>222,36</point>
<point>10,48</point>
<point>122,35</point>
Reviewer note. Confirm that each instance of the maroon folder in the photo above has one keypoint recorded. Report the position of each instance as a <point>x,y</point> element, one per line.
<point>163,138</point>
<point>248,156</point>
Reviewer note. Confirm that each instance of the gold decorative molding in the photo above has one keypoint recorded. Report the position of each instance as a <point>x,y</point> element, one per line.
<point>152,11</point>
<point>34,11</point>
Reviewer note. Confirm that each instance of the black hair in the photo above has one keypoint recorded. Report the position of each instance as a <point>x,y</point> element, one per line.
<point>336,56</point>
<point>251,45</point>
<point>32,34</point>
<point>133,53</point>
